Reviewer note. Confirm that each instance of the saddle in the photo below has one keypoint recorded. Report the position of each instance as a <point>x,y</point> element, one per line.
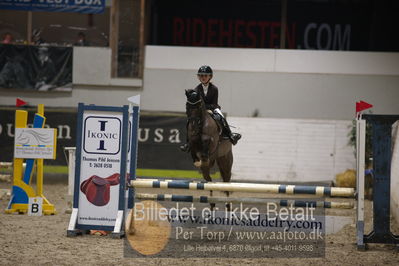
<point>97,189</point>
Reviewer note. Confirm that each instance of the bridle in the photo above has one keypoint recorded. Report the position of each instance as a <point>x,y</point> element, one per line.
<point>195,120</point>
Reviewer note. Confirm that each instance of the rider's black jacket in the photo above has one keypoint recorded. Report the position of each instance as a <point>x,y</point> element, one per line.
<point>211,98</point>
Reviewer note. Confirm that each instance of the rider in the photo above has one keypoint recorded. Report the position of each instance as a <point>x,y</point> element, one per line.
<point>209,93</point>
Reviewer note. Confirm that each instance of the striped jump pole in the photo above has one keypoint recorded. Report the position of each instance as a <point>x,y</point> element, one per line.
<point>279,202</point>
<point>247,187</point>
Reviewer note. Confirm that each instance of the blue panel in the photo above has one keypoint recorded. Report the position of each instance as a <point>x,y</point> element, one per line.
<point>200,186</point>
<point>94,227</point>
<point>327,191</point>
<point>38,122</point>
<point>103,108</point>
<point>284,203</point>
<point>204,199</point>
<point>304,190</point>
<point>19,196</point>
<point>382,170</point>
<point>133,153</point>
<point>78,154</point>
<point>173,184</point>
<point>381,142</point>
<point>122,183</point>
<point>182,198</point>
<point>161,197</point>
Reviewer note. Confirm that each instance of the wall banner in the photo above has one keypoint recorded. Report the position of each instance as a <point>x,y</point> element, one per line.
<point>76,6</point>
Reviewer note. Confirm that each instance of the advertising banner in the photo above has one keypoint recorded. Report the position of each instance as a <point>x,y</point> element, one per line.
<point>35,143</point>
<point>76,6</point>
<point>258,24</point>
<point>100,167</point>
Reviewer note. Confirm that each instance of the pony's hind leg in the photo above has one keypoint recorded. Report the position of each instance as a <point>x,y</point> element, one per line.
<point>213,205</point>
<point>228,204</point>
<point>225,164</point>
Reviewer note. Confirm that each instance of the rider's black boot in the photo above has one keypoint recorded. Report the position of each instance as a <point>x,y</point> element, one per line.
<point>234,137</point>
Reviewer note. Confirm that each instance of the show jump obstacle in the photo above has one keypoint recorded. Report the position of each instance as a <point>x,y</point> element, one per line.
<point>382,154</point>
<point>84,174</point>
<point>278,202</point>
<point>248,187</point>
<point>106,151</point>
<point>33,145</point>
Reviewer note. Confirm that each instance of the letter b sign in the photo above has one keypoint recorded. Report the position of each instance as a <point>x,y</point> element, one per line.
<point>35,206</point>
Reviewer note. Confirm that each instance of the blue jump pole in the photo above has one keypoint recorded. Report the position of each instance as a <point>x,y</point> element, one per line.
<point>247,187</point>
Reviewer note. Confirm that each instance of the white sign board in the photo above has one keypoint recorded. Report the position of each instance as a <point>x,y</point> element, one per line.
<point>35,206</point>
<point>35,143</point>
<point>100,165</point>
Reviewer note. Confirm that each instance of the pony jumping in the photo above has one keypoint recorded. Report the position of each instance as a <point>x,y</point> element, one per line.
<point>206,141</point>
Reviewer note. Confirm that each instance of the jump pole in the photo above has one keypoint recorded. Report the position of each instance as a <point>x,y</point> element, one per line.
<point>279,202</point>
<point>360,155</point>
<point>247,187</point>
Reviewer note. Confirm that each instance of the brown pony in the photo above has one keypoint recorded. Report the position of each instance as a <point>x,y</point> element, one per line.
<point>206,141</point>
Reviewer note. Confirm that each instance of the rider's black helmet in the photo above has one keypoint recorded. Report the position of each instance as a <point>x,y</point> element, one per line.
<point>205,70</point>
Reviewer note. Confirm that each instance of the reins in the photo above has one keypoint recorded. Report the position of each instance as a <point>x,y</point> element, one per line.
<point>197,121</point>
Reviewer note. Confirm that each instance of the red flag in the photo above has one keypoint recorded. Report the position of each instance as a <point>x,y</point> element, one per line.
<point>366,105</point>
<point>20,102</point>
<point>361,106</point>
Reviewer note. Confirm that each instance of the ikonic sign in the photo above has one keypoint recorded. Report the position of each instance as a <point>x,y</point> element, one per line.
<point>100,168</point>
<point>35,143</point>
<point>102,135</point>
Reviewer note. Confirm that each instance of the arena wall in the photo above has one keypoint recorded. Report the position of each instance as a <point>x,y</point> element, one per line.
<point>265,82</point>
<point>276,83</point>
<point>291,150</point>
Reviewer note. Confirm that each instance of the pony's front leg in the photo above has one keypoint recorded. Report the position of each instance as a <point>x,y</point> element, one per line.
<point>195,158</point>
<point>206,173</point>
<point>206,141</point>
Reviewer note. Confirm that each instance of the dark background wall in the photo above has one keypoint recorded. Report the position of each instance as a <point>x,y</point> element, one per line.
<point>160,136</point>
<point>323,25</point>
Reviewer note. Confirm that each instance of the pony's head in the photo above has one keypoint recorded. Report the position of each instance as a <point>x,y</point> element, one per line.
<point>193,97</point>
<point>194,110</point>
